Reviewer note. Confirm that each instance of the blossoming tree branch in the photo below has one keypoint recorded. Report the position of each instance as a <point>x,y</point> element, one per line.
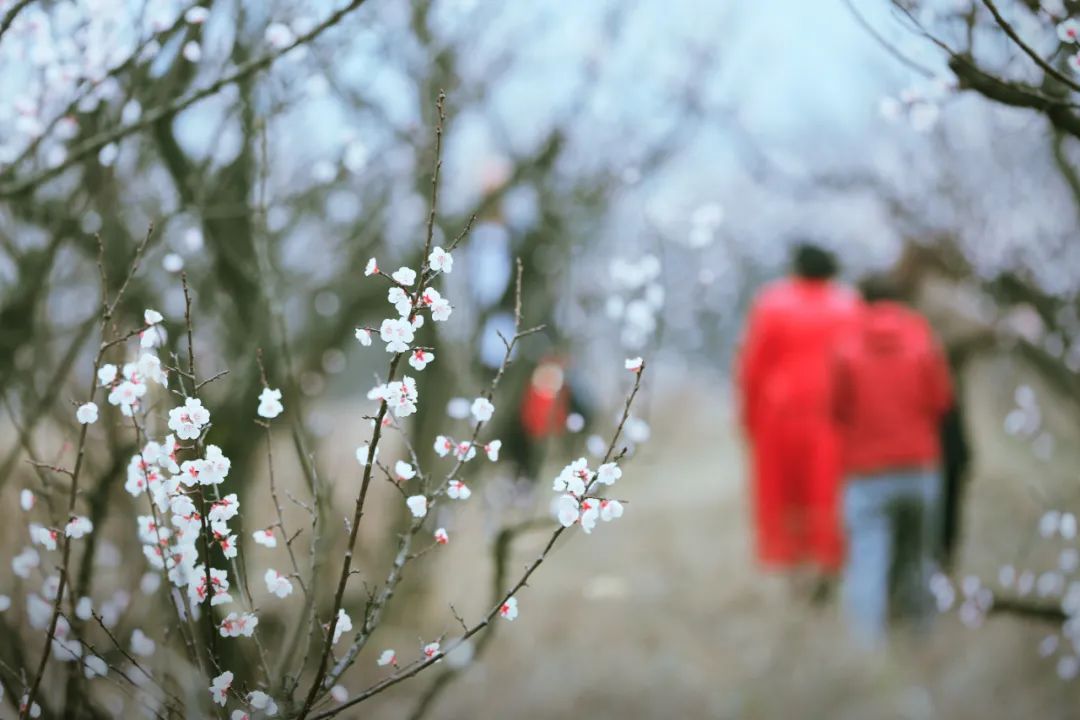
<point>207,651</point>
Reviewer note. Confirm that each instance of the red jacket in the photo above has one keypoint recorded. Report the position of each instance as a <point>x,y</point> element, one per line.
<point>784,366</point>
<point>891,389</point>
<point>784,381</point>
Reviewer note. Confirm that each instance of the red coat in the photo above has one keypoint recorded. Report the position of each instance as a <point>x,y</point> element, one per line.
<point>891,391</point>
<point>784,378</point>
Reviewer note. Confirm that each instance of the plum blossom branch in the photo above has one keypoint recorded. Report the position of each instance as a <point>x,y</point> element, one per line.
<point>419,666</point>
<point>373,446</point>
<point>374,610</point>
<point>80,455</point>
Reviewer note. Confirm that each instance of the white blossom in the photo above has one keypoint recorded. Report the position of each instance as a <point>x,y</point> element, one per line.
<point>87,414</point>
<point>419,359</point>
<point>279,36</point>
<point>261,701</point>
<point>78,527</point>
<point>458,490</point>
<point>24,562</point>
<point>41,535</point>
<point>238,624</point>
<point>219,688</point>
<point>270,403</point>
<point>509,609</point>
<point>265,537</point>
<point>188,420</point>
<point>278,584</point>
<point>343,625</point>
<point>610,510</point>
<point>142,645</point>
<point>590,513</point>
<point>404,275</point>
<point>417,505</point>
<point>573,478</point>
<point>440,310</point>
<point>608,473</point>
<point>397,334</point>
<point>362,453</point>
<point>106,375</point>
<point>440,261</point>
<point>1069,31</point>
<point>482,409</point>
<point>568,510</point>
<point>150,367</point>
<point>93,666</point>
<point>192,53</point>
<point>196,15</point>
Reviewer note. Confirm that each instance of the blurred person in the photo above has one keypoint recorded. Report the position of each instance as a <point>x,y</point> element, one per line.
<point>784,376</point>
<point>926,276</point>
<point>553,403</point>
<point>891,393</point>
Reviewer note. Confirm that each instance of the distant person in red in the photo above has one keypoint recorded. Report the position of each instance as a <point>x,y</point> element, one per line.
<point>546,402</point>
<point>552,406</point>
<point>784,373</point>
<point>891,391</point>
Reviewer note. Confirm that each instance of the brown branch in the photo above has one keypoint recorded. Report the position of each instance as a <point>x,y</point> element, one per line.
<point>1028,50</point>
<point>1028,609</point>
<point>500,552</point>
<point>1014,94</point>
<point>9,16</point>
<point>885,44</point>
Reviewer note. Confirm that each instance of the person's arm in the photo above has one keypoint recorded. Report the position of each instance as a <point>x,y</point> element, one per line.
<point>751,367</point>
<point>841,390</point>
<point>939,390</point>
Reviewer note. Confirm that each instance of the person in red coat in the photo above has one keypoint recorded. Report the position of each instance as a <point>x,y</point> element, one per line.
<point>891,391</point>
<point>784,381</point>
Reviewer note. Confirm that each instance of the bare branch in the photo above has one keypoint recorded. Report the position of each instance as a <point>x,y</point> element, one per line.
<point>1028,50</point>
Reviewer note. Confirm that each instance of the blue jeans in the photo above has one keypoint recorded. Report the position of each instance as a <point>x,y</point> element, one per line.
<point>893,530</point>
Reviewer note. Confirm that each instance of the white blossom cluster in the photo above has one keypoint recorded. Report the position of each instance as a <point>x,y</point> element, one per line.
<point>186,524</point>
<point>575,504</point>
